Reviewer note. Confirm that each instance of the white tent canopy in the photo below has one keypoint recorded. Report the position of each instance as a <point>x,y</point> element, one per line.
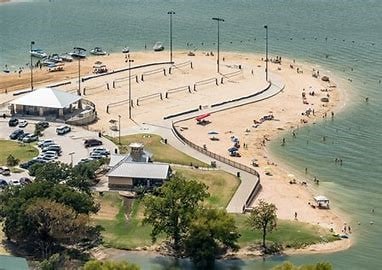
<point>47,97</point>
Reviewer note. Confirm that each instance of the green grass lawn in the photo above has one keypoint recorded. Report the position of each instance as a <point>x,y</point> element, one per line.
<point>221,185</point>
<point>161,152</point>
<point>21,151</point>
<point>287,233</point>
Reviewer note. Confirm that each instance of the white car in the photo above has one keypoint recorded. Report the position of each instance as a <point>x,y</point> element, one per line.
<point>46,142</point>
<point>14,183</point>
<point>23,123</point>
<point>63,130</point>
<point>50,154</point>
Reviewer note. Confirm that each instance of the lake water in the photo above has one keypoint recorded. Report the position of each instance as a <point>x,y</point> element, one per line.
<point>349,32</point>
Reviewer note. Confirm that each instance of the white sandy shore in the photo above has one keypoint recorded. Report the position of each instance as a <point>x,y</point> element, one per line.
<point>286,107</point>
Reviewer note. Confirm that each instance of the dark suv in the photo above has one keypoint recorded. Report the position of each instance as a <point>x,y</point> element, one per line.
<point>16,134</point>
<point>13,122</point>
<point>92,142</point>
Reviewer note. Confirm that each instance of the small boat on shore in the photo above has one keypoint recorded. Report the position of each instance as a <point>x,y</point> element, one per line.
<point>126,50</point>
<point>158,47</point>
<point>98,51</point>
<point>55,58</point>
<point>78,54</point>
<point>39,53</point>
<point>66,57</point>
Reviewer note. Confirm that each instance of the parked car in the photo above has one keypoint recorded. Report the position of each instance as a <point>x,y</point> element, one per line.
<point>96,156</point>
<point>13,122</point>
<point>3,183</point>
<point>23,123</point>
<point>28,164</point>
<point>22,136</point>
<point>15,183</point>
<point>50,153</point>
<point>25,180</point>
<point>47,158</point>
<point>42,124</point>
<point>92,142</point>
<point>63,130</point>
<point>102,152</point>
<point>54,147</point>
<point>15,134</point>
<point>45,143</point>
<point>84,160</point>
<point>5,171</point>
<point>30,138</point>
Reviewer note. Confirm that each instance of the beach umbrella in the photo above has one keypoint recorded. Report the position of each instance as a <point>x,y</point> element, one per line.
<point>213,132</point>
<point>291,175</point>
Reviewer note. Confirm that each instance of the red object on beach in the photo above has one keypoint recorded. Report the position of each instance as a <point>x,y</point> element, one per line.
<point>201,117</point>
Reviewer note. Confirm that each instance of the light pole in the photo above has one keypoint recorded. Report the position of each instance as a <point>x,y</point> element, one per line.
<point>266,52</point>
<point>130,61</point>
<point>218,20</point>
<point>171,13</point>
<point>119,129</point>
<point>79,68</point>
<point>71,158</point>
<point>32,43</point>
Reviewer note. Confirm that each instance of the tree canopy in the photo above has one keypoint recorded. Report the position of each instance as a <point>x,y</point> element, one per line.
<point>263,217</point>
<point>211,232</point>
<point>109,265</point>
<point>290,266</point>
<point>173,207</point>
<point>29,212</point>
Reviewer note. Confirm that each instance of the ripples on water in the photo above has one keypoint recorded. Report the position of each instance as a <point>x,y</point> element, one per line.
<point>341,36</point>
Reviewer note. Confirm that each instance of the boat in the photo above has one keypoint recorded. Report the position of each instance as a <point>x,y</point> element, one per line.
<point>56,67</point>
<point>78,54</point>
<point>126,50</point>
<point>98,51</point>
<point>158,47</point>
<point>55,58</point>
<point>39,53</point>
<point>66,57</point>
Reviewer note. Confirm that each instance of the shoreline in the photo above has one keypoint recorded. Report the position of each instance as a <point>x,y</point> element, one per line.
<point>293,82</point>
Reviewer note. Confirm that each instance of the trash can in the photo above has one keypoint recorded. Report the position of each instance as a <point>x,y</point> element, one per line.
<point>238,174</point>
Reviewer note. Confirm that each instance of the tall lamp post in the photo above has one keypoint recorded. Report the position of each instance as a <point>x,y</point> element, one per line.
<point>80,50</point>
<point>71,158</point>
<point>218,20</point>
<point>119,129</point>
<point>266,52</point>
<point>32,43</point>
<point>171,13</point>
<point>130,61</point>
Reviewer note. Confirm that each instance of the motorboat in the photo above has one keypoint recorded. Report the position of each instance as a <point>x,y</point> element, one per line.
<point>47,61</point>
<point>126,50</point>
<point>55,58</point>
<point>56,67</point>
<point>39,53</point>
<point>6,69</point>
<point>98,51</point>
<point>66,57</point>
<point>158,47</point>
<point>78,54</point>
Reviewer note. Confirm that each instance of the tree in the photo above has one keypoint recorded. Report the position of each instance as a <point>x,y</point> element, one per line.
<point>21,221</point>
<point>12,161</point>
<point>211,232</point>
<point>290,266</point>
<point>173,207</point>
<point>52,171</point>
<point>263,217</point>
<point>55,224</point>
<point>109,265</point>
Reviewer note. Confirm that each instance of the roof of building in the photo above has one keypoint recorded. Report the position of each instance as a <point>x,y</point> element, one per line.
<point>140,170</point>
<point>115,159</point>
<point>47,97</point>
<point>13,263</point>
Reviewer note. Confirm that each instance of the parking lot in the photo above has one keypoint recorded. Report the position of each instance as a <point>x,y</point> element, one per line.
<point>72,143</point>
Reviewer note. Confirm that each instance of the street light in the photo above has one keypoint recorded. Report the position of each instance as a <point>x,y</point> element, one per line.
<point>119,129</point>
<point>171,13</point>
<point>71,158</point>
<point>218,20</point>
<point>266,52</point>
<point>80,50</point>
<point>130,61</point>
<point>32,43</point>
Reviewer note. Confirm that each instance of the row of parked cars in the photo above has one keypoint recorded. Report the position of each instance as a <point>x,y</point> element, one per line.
<point>13,122</point>
<point>20,135</point>
<point>50,151</point>
<point>14,182</point>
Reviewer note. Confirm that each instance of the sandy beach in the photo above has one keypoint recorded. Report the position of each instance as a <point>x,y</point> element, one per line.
<point>243,122</point>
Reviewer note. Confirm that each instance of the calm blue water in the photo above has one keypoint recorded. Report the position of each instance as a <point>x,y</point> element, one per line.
<point>349,31</point>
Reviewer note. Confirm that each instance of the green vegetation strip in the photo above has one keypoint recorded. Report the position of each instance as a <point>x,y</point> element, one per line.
<point>161,152</point>
<point>19,150</point>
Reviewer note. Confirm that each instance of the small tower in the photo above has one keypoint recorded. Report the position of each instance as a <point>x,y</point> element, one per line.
<point>136,152</point>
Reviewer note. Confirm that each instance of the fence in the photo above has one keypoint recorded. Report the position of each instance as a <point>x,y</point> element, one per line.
<point>230,75</point>
<point>206,81</point>
<point>119,81</point>
<point>118,103</point>
<point>100,87</point>
<point>180,65</point>
<point>152,72</point>
<point>178,89</point>
<point>234,164</point>
<point>152,96</point>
